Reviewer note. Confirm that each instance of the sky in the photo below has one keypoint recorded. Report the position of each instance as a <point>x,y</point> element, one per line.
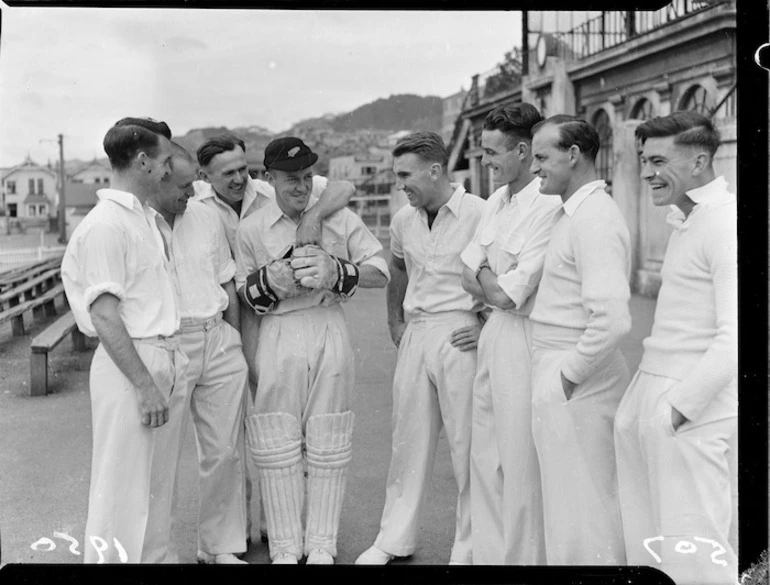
<point>77,71</point>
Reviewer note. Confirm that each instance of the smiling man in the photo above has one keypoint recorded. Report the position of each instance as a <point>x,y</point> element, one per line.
<point>304,358</point>
<point>676,427</point>
<point>227,188</point>
<point>202,271</point>
<point>435,325</point>
<point>115,275</point>
<point>503,265</point>
<point>578,373</point>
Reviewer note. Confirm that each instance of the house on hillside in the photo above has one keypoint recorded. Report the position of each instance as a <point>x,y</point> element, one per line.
<point>616,69</point>
<point>95,172</point>
<point>371,172</point>
<point>29,193</point>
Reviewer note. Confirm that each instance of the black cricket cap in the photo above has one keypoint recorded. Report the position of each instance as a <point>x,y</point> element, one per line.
<point>289,154</point>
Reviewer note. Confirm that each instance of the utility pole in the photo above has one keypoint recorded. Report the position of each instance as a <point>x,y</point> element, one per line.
<point>524,43</point>
<point>62,218</point>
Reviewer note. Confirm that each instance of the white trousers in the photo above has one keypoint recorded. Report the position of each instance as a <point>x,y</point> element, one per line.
<point>214,391</point>
<point>305,363</point>
<point>506,499</point>
<point>218,394</point>
<point>576,451</point>
<point>123,450</point>
<point>432,387</point>
<point>677,488</point>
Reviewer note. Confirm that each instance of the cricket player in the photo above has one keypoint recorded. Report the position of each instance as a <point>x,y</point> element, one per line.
<point>226,187</point>
<point>435,324</point>
<point>675,431</point>
<point>116,280</point>
<point>202,271</point>
<point>304,359</point>
<point>578,373</point>
<point>503,265</point>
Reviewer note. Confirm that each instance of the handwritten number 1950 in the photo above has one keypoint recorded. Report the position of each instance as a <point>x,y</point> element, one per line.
<point>100,546</point>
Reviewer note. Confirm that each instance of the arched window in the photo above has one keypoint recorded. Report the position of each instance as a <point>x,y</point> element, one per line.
<point>642,110</point>
<point>697,99</point>
<point>604,156</point>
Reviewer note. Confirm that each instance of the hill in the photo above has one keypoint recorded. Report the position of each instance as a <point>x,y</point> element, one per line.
<point>330,135</point>
<point>397,112</point>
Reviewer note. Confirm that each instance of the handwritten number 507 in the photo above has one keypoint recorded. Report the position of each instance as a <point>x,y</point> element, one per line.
<point>686,547</point>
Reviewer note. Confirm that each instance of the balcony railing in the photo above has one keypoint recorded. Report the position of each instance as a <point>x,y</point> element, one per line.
<point>614,27</point>
<point>503,77</point>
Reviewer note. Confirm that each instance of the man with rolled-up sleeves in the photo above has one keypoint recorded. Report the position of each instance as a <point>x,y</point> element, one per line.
<point>115,276</point>
<point>503,265</point>
<point>578,373</point>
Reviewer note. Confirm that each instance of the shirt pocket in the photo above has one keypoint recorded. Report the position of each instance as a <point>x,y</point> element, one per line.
<point>510,250</point>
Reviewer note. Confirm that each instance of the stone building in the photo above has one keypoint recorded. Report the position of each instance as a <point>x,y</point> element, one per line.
<point>616,69</point>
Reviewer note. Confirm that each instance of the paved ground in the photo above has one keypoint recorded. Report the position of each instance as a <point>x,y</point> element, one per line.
<point>45,446</point>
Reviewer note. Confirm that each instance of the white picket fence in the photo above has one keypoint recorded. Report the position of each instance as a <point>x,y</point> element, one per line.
<point>20,256</point>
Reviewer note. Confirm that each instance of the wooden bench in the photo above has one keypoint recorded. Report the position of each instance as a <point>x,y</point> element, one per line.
<point>43,303</point>
<point>43,343</point>
<point>21,274</point>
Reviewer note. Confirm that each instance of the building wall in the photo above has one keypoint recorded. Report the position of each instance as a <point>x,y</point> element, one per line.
<point>358,168</point>
<point>661,67</point>
<point>452,106</point>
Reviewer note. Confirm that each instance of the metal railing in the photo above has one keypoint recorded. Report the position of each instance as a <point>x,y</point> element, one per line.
<point>612,28</point>
<point>502,78</point>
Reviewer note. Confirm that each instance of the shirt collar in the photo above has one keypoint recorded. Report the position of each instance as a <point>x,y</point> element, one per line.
<point>204,190</point>
<point>454,201</point>
<point>712,192</point>
<point>571,204</point>
<point>527,195</point>
<point>275,213</point>
<point>124,198</point>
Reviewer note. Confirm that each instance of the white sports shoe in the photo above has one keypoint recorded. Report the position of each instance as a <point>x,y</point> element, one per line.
<point>374,556</point>
<point>319,556</point>
<point>285,558</point>
<point>219,559</point>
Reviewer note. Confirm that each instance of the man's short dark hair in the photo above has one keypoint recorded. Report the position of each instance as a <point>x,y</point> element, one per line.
<point>130,136</point>
<point>218,145</point>
<point>573,131</point>
<point>515,121</point>
<point>689,129</point>
<point>427,145</point>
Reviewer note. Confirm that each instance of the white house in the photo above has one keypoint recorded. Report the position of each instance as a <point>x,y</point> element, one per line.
<point>29,192</point>
<point>94,172</point>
